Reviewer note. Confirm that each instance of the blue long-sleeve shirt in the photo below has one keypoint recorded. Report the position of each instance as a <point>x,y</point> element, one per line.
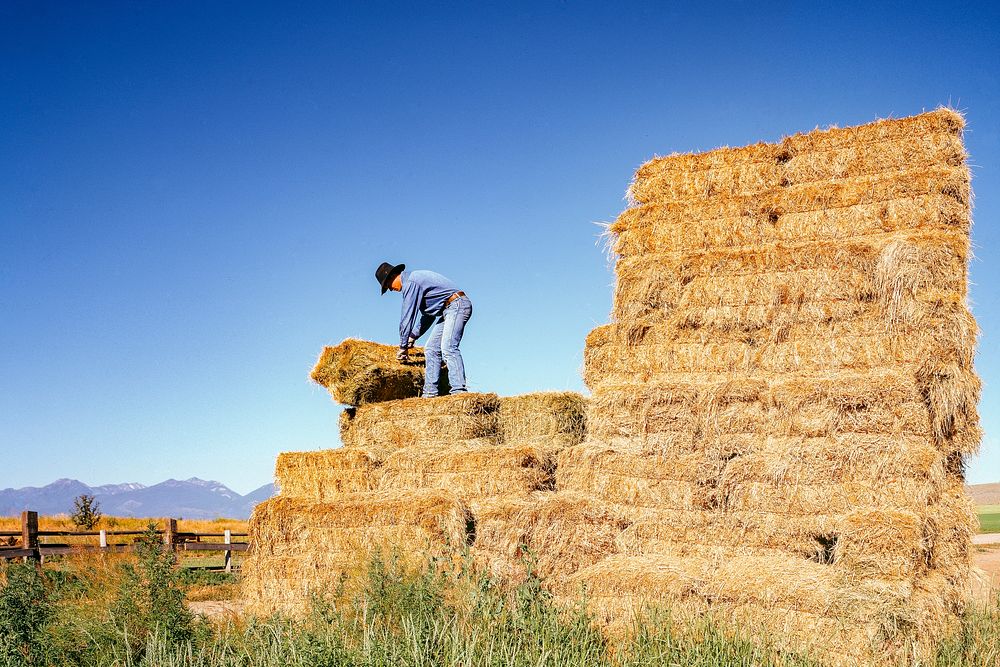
<point>424,295</point>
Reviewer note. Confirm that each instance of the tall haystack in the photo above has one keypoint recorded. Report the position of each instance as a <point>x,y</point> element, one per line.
<point>783,400</point>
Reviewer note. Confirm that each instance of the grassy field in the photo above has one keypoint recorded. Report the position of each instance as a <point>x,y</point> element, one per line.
<point>190,559</point>
<point>128,611</point>
<point>63,522</point>
<point>989,518</point>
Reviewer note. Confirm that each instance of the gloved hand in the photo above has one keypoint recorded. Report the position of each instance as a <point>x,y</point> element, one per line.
<point>402,355</point>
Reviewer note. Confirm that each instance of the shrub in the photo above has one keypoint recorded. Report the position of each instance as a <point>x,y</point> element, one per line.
<point>25,610</point>
<point>149,598</point>
<point>86,512</point>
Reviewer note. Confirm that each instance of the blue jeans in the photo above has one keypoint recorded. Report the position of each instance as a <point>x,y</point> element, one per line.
<point>443,342</point>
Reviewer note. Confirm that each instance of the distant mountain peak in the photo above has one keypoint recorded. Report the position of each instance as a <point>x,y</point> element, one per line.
<point>113,489</point>
<point>66,481</point>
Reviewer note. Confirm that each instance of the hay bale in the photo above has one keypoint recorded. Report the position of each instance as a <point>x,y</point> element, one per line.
<point>873,615</point>
<point>743,457</point>
<point>419,422</point>
<point>728,575</point>
<point>912,143</point>
<point>547,413</point>
<point>715,480</point>
<point>841,644</point>
<point>949,526</point>
<point>786,274</point>
<point>646,481</point>
<point>357,372</point>
<point>656,228</point>
<point>302,547</point>
<point>639,411</point>
<point>360,521</point>
<point>632,482</point>
<point>325,475</point>
<point>806,355</point>
<point>885,146</point>
<point>769,205</point>
<point>472,469</point>
<point>558,533</point>
<point>879,543</point>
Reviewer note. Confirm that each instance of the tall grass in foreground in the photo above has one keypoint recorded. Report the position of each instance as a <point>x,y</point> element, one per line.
<point>129,613</point>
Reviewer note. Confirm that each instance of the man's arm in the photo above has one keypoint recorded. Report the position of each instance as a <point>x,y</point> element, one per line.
<point>408,314</point>
<point>424,322</point>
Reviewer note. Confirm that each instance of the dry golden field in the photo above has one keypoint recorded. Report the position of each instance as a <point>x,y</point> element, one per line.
<point>112,523</point>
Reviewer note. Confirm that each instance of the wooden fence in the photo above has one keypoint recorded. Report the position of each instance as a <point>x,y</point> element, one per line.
<point>31,547</point>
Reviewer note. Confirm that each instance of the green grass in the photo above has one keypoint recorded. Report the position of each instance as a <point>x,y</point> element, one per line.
<point>87,618</point>
<point>207,561</point>
<point>989,518</point>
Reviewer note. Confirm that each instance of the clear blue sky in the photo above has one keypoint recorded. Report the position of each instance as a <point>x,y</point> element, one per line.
<point>194,195</point>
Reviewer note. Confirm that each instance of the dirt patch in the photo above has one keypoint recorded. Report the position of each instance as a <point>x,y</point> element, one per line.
<point>987,559</point>
<point>216,608</point>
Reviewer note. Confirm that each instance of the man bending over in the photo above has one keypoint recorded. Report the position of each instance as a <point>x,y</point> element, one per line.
<point>430,301</point>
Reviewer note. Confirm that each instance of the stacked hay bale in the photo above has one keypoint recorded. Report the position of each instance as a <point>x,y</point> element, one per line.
<point>552,533</point>
<point>303,547</point>
<point>783,401</point>
<point>332,512</point>
<point>475,445</point>
<point>405,480</point>
<point>416,422</point>
<point>357,372</point>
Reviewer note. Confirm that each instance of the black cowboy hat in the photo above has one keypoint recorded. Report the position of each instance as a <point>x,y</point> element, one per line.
<point>386,273</point>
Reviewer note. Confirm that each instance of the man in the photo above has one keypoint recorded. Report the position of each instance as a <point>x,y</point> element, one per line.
<point>430,300</point>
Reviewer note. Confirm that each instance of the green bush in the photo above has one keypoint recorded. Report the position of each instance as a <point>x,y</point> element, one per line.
<point>25,611</point>
<point>149,598</point>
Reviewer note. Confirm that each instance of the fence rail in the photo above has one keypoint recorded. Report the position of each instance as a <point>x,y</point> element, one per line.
<point>31,548</point>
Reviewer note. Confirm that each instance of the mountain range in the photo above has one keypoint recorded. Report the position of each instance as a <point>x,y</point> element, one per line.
<point>188,499</point>
<point>200,499</point>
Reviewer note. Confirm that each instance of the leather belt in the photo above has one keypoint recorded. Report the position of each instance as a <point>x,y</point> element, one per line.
<point>452,298</point>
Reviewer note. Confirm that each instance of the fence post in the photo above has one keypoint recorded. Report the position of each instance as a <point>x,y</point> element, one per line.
<point>104,538</point>
<point>29,532</point>
<point>170,533</point>
<point>229,552</point>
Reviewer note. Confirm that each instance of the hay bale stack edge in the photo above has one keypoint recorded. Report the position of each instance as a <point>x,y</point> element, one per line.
<point>783,398</point>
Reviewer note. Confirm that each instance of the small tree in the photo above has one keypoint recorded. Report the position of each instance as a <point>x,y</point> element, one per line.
<point>86,512</point>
